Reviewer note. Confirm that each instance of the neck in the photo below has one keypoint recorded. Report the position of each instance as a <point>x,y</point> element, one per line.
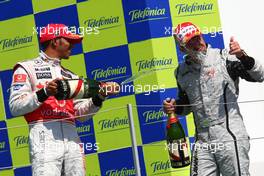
<point>51,54</point>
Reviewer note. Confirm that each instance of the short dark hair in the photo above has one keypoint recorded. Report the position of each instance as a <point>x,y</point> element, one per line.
<point>45,45</point>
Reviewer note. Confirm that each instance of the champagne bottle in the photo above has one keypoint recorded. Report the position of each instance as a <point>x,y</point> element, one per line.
<point>177,144</point>
<point>77,88</point>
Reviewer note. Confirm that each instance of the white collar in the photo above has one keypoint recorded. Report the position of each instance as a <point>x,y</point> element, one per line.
<point>46,58</point>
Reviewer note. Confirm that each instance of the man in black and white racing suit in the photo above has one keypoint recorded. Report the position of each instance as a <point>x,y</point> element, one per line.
<point>208,82</point>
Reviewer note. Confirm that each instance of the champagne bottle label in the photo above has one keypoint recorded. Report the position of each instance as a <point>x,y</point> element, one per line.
<point>76,88</point>
<point>172,121</point>
<point>178,152</point>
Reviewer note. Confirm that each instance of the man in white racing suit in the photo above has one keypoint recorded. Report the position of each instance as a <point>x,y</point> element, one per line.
<point>208,82</point>
<point>55,147</point>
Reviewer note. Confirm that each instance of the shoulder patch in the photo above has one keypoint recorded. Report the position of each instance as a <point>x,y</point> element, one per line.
<point>20,78</point>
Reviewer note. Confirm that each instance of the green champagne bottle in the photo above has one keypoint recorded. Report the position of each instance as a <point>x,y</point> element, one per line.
<point>84,88</point>
<point>176,142</point>
<point>77,88</point>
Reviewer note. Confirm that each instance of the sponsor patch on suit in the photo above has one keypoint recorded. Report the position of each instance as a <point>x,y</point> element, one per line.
<point>42,69</point>
<point>65,74</point>
<point>44,75</point>
<point>17,86</point>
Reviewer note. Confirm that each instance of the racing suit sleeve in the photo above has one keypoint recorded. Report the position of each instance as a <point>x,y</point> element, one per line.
<point>22,99</point>
<point>87,107</point>
<point>182,100</point>
<point>245,67</point>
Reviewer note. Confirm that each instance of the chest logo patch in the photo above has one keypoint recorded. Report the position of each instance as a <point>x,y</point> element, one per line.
<point>44,75</point>
<point>210,72</point>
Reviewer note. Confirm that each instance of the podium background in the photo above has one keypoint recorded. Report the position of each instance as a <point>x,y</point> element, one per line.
<point>121,44</point>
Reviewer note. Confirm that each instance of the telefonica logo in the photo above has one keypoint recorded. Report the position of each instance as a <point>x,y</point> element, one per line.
<point>160,166</point>
<point>113,124</point>
<point>2,145</point>
<point>121,172</point>
<point>194,8</point>
<point>153,115</point>
<point>154,62</point>
<point>21,141</point>
<point>6,44</point>
<point>148,13</point>
<point>84,128</point>
<point>108,72</point>
<point>102,21</point>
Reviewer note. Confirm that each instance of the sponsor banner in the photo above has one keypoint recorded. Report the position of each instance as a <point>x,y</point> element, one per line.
<point>69,18</point>
<point>17,41</point>
<point>100,66</point>
<point>19,8</point>
<point>157,160</point>
<point>204,14</point>
<point>6,160</point>
<point>120,162</point>
<point>9,172</point>
<point>2,105</point>
<point>76,64</point>
<point>104,28</point>
<point>81,1</point>
<point>112,127</point>
<point>152,119</point>
<point>23,171</point>
<point>19,141</point>
<point>191,142</point>
<point>216,40</point>
<point>190,124</point>
<point>6,80</point>
<point>146,19</point>
<point>86,133</point>
<point>151,58</point>
<point>142,60</point>
<point>40,6</point>
<point>92,165</point>
<point>166,48</point>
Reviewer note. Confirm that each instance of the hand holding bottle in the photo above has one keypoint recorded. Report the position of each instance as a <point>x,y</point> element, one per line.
<point>176,140</point>
<point>169,105</point>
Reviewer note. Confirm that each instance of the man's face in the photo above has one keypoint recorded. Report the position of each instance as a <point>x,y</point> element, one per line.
<point>196,43</point>
<point>63,48</point>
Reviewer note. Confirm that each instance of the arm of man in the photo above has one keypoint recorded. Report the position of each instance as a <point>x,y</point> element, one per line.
<point>22,99</point>
<point>89,106</point>
<point>245,67</point>
<point>239,64</point>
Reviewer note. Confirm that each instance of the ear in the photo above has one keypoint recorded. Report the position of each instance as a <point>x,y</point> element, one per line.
<point>53,43</point>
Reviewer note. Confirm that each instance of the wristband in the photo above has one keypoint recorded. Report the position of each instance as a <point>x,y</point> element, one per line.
<point>97,100</point>
<point>42,95</point>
